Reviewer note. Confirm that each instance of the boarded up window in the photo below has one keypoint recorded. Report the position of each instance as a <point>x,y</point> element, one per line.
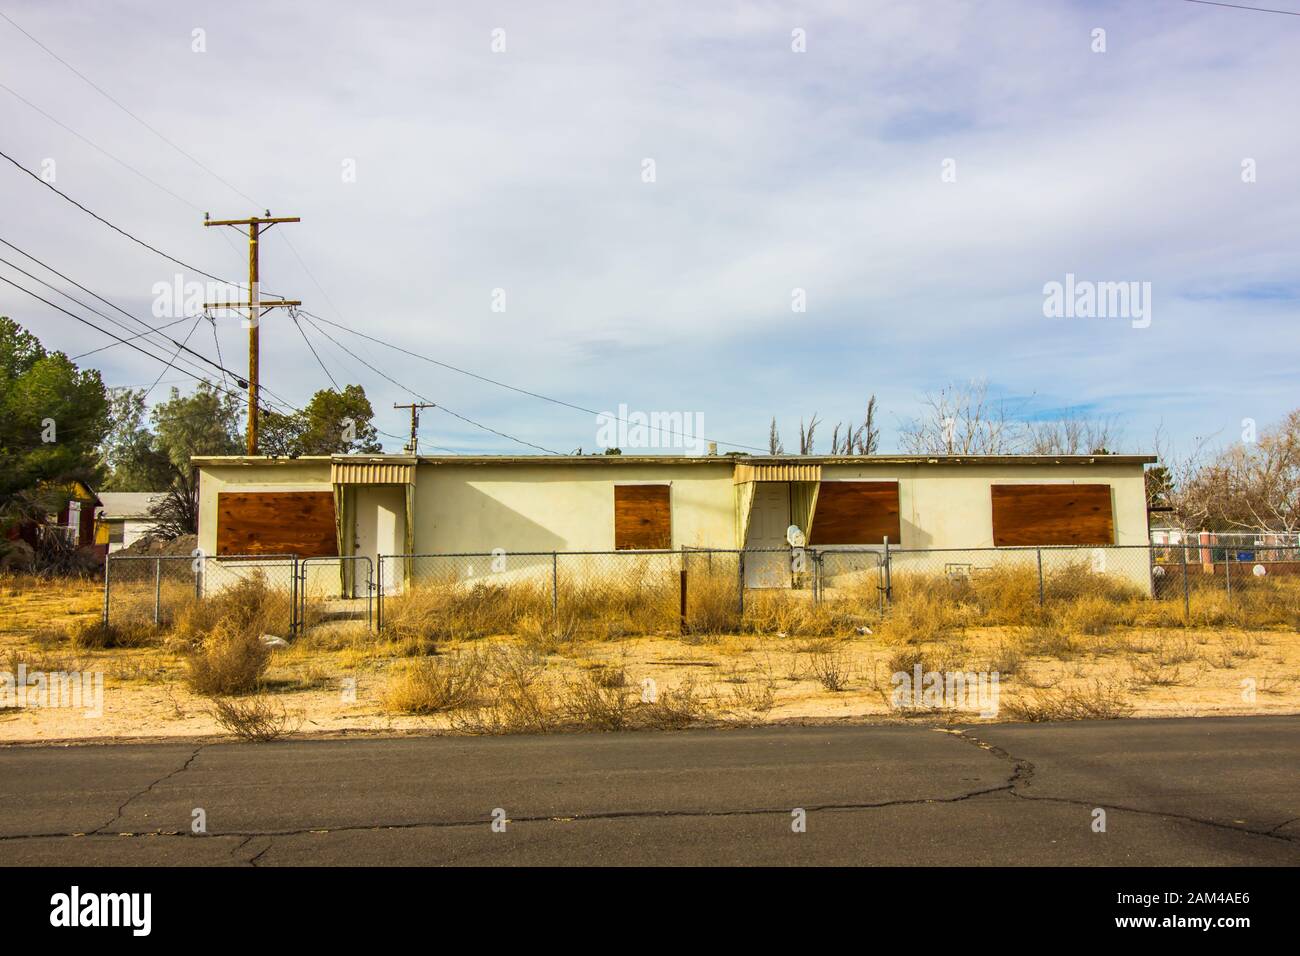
<point>1028,515</point>
<point>642,518</point>
<point>856,512</point>
<point>276,522</point>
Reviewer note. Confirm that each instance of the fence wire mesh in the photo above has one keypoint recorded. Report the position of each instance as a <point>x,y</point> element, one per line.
<point>598,595</point>
<point>168,590</point>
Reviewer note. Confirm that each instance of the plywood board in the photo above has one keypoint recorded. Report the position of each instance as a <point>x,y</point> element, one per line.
<point>642,517</point>
<point>1029,515</point>
<point>856,512</point>
<point>276,522</point>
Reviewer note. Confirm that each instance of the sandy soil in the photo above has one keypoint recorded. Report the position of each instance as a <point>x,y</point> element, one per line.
<point>335,686</point>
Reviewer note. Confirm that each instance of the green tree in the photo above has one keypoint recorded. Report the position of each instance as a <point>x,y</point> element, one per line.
<point>332,423</point>
<point>205,422</point>
<point>53,416</point>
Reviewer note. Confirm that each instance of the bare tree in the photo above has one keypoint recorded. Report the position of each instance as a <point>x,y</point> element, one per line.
<point>863,439</point>
<point>1072,434</point>
<point>962,420</point>
<point>774,446</point>
<point>1248,486</point>
<point>806,440</point>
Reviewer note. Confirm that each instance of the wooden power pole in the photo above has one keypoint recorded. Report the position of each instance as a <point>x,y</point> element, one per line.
<point>255,306</point>
<point>415,408</point>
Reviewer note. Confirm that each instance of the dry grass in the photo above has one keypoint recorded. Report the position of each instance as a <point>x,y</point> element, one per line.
<point>229,661</point>
<point>258,719</point>
<point>433,685</point>
<point>1099,700</point>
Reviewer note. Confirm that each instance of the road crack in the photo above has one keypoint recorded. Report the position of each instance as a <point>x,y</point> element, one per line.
<point>99,830</point>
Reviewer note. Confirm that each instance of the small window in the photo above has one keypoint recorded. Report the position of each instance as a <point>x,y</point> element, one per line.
<point>1032,515</point>
<point>643,518</point>
<point>116,532</point>
<point>856,512</point>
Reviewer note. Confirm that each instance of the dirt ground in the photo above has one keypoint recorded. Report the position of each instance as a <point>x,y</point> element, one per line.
<point>333,684</point>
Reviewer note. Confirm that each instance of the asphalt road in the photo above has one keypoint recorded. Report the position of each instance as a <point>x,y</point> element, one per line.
<point>1175,792</point>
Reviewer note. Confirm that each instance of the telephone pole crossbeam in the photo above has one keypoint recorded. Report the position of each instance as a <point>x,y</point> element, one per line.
<point>415,408</point>
<point>256,308</point>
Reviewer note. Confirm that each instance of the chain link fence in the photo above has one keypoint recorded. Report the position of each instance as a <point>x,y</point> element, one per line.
<point>167,590</point>
<point>609,594</point>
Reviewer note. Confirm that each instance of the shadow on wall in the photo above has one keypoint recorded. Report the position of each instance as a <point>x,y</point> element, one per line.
<point>481,524</point>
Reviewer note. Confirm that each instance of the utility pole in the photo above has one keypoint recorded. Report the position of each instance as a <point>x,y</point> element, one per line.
<point>415,408</point>
<point>255,225</point>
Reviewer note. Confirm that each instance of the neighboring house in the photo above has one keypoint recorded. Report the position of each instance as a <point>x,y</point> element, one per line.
<point>124,517</point>
<point>390,504</point>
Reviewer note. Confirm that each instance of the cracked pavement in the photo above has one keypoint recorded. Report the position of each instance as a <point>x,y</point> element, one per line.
<point>1209,791</point>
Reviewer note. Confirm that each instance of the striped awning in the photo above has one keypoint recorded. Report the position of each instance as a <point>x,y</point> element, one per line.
<point>776,471</point>
<point>372,472</point>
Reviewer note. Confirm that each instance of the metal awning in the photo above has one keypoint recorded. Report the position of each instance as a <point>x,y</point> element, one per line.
<point>776,471</point>
<point>372,472</point>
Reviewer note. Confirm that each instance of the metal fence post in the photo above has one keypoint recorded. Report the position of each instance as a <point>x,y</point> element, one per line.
<point>1187,587</point>
<point>1040,577</point>
<point>555,591</point>
<point>740,583</point>
<point>379,595</point>
<point>889,574</point>
<point>1227,572</point>
<point>108,563</point>
<point>157,591</point>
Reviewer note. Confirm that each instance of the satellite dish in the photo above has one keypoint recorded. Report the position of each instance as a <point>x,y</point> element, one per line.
<point>794,536</point>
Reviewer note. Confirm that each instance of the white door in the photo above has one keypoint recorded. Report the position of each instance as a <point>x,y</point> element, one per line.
<point>380,529</point>
<point>768,520</point>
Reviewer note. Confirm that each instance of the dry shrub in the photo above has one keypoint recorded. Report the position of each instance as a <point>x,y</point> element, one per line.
<point>790,613</point>
<point>750,702</point>
<point>433,612</point>
<point>712,605</point>
<point>257,718</point>
<point>434,685</point>
<point>1149,670</point>
<point>676,708</point>
<point>918,614</point>
<point>1050,641</point>
<point>590,704</point>
<point>832,669</point>
<point>227,662</point>
<point>1005,661</point>
<point>1090,614</point>
<point>96,635</point>
<point>1099,700</point>
<point>249,606</point>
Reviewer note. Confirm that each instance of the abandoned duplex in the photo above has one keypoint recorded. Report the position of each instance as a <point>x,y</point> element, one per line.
<point>388,504</point>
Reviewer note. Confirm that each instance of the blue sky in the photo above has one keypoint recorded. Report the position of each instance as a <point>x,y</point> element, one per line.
<point>775,171</point>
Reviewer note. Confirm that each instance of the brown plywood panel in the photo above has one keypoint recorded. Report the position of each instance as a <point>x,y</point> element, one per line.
<point>642,517</point>
<point>1028,515</point>
<point>276,522</point>
<point>856,512</point>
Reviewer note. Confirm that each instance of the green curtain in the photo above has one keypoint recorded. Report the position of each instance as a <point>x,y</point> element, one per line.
<point>410,532</point>
<point>744,502</point>
<point>803,504</point>
<point>343,527</point>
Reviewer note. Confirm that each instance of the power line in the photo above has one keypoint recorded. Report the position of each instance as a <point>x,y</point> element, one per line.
<point>521,391</point>
<point>117,229</point>
<point>298,326</point>
<point>278,399</point>
<point>1238,6</point>
<point>108,96</point>
<point>65,278</point>
<point>422,398</point>
<point>111,335</point>
<point>125,165</point>
<point>167,325</point>
<point>171,361</point>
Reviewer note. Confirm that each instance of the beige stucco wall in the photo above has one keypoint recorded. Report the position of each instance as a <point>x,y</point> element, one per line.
<point>950,506</point>
<point>526,507</point>
<point>277,475</point>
